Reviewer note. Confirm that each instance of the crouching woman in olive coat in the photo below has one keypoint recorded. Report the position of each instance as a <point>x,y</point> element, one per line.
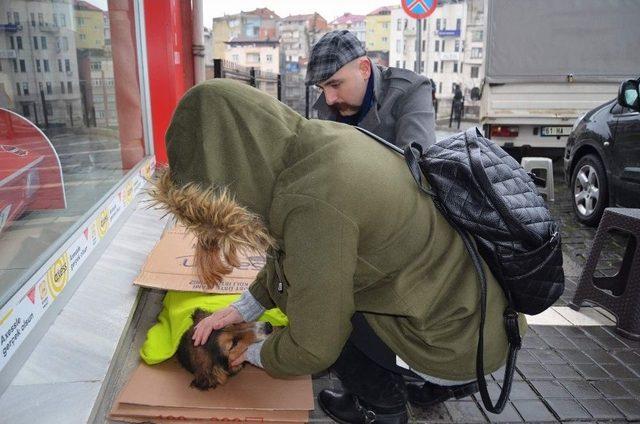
<point>369,273</point>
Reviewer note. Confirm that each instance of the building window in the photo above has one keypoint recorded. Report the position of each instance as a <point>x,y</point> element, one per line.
<point>60,65</point>
<point>456,46</point>
<point>443,45</point>
<point>399,25</point>
<point>235,58</point>
<point>43,42</point>
<point>398,46</point>
<point>35,43</point>
<point>440,88</point>
<point>55,20</point>
<point>437,46</point>
<point>49,109</point>
<point>444,23</point>
<point>69,87</point>
<point>461,63</point>
<point>16,18</point>
<point>26,111</point>
<point>474,71</point>
<point>438,24</point>
<point>453,88</point>
<point>38,69</point>
<point>15,65</point>
<point>67,65</point>
<point>441,66</point>
<point>253,57</point>
<point>18,90</point>
<point>40,19</point>
<point>63,20</point>
<point>397,63</point>
<point>458,24</point>
<point>49,89</point>
<point>435,67</point>
<point>40,87</point>
<point>476,52</point>
<point>13,47</point>
<point>83,37</point>
<point>19,42</point>
<point>25,88</point>
<point>23,66</point>
<point>269,58</point>
<point>96,66</point>
<point>80,21</point>
<point>65,43</point>
<point>385,25</point>
<point>62,87</point>
<point>33,20</point>
<point>455,67</point>
<point>477,35</point>
<point>424,45</point>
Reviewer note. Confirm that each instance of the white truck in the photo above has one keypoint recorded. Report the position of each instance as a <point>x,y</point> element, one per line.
<point>548,62</point>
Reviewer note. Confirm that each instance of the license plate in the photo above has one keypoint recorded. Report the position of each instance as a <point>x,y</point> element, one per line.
<point>555,131</point>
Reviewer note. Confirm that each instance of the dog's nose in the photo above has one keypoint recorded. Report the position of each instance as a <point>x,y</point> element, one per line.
<point>268,328</point>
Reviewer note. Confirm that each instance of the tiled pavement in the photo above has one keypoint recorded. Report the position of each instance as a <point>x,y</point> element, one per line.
<point>564,373</point>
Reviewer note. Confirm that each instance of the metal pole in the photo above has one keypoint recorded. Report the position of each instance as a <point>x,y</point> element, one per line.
<point>418,67</point>
<point>217,68</point>
<point>306,102</point>
<point>252,76</point>
<point>279,87</point>
<point>198,43</point>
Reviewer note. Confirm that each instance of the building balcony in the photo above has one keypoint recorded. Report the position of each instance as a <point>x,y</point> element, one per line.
<point>47,27</point>
<point>10,27</point>
<point>409,32</point>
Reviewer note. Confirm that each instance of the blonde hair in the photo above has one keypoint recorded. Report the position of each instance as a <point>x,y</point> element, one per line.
<point>223,228</point>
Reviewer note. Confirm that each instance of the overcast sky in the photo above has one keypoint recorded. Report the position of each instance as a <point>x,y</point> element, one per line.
<point>329,9</point>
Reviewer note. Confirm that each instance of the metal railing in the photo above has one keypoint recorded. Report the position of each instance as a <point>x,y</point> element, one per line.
<point>248,75</point>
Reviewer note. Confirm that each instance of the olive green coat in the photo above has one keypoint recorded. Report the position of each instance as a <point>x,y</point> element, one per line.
<point>354,234</point>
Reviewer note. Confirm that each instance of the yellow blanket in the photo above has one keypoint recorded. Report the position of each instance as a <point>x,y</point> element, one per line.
<point>175,319</point>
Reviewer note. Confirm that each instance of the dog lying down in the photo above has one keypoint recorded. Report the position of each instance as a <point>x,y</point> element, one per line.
<point>210,363</point>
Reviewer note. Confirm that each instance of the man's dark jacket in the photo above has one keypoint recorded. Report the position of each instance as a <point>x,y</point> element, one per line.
<point>402,111</point>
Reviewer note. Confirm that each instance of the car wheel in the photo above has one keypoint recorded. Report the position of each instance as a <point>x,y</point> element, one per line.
<point>589,189</point>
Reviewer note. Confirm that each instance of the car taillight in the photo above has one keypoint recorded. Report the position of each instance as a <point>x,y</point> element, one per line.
<point>504,131</point>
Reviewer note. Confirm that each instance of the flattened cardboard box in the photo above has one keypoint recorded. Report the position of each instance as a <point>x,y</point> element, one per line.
<point>161,393</point>
<point>170,267</point>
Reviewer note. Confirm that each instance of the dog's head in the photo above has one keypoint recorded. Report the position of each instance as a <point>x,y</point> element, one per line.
<point>211,362</point>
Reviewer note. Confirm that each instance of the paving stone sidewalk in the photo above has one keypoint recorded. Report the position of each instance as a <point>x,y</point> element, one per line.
<point>564,373</point>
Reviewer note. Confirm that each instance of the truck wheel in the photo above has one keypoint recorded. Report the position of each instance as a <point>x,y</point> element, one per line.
<point>589,190</point>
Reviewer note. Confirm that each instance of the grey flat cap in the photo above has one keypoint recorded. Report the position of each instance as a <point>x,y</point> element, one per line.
<point>334,50</point>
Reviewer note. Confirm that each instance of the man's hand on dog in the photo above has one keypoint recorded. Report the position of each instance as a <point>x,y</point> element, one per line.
<point>215,321</point>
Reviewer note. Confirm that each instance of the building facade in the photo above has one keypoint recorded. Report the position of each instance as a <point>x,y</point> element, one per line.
<point>39,65</point>
<point>353,23</point>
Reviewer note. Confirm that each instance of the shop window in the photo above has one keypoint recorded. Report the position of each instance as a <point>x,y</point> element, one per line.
<point>90,153</point>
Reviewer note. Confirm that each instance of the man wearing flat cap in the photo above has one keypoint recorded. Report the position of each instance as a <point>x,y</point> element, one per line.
<point>392,103</point>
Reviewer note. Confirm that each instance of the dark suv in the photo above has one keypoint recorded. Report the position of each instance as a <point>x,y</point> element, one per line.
<point>602,158</point>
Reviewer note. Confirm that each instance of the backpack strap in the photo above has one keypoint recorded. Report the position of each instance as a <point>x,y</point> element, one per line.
<point>411,153</point>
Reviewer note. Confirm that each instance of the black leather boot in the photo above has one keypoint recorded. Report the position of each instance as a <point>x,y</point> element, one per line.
<point>428,394</point>
<point>369,390</point>
<point>347,408</point>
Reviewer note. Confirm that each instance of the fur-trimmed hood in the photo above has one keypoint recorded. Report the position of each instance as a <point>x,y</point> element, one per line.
<point>227,144</point>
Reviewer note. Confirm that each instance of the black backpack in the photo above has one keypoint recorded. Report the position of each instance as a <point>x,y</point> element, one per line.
<point>494,205</point>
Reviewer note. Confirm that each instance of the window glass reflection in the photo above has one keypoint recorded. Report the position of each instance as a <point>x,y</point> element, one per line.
<point>70,120</point>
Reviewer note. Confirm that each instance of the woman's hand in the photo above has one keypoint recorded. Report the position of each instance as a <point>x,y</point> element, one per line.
<point>215,321</point>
